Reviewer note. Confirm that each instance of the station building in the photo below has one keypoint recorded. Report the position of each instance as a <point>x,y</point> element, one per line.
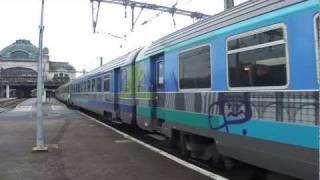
<point>19,66</point>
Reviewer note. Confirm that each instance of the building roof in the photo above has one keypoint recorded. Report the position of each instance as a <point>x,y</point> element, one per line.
<point>20,50</point>
<point>24,50</point>
<point>58,66</point>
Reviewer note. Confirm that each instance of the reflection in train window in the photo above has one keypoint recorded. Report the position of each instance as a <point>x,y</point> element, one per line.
<point>88,86</point>
<point>106,83</point>
<point>124,84</point>
<point>160,74</point>
<point>194,68</point>
<point>93,85</point>
<point>258,59</point>
<point>98,84</point>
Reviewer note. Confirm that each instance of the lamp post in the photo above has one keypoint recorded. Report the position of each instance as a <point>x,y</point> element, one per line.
<point>40,147</point>
<point>1,82</point>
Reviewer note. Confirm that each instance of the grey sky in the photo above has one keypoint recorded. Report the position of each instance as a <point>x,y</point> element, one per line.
<point>68,32</point>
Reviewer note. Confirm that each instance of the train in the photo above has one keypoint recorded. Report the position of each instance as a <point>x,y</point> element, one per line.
<point>240,85</point>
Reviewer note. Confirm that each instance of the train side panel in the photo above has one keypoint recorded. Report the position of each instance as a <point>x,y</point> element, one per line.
<point>272,127</point>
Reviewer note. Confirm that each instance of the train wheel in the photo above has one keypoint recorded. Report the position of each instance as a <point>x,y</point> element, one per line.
<point>184,152</point>
<point>228,164</point>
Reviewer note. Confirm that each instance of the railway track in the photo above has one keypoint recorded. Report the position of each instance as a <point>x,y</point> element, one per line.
<point>10,104</point>
<point>241,171</point>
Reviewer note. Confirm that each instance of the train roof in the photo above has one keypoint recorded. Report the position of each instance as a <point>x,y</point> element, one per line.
<point>237,14</point>
<point>242,12</point>
<point>118,62</point>
<point>64,85</point>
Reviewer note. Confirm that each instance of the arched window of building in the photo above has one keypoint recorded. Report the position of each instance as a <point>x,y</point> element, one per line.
<point>19,55</point>
<point>19,72</point>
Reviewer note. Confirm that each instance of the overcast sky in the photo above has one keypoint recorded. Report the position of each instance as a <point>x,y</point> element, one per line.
<point>68,27</point>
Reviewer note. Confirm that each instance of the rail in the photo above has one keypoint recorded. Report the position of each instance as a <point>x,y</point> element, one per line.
<point>9,104</point>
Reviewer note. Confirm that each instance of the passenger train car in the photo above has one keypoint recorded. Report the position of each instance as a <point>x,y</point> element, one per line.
<point>242,84</point>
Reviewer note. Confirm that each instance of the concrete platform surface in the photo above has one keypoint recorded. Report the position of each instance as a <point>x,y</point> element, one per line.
<point>79,149</point>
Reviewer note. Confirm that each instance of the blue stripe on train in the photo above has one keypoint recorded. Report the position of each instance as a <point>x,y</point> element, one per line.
<point>126,108</point>
<point>102,105</point>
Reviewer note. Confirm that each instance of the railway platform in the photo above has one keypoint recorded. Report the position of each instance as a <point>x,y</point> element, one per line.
<point>79,148</point>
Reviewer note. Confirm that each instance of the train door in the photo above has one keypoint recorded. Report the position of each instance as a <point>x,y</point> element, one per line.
<point>157,86</point>
<point>126,97</point>
<point>115,91</point>
<point>317,35</point>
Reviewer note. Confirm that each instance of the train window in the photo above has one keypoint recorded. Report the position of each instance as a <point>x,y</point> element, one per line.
<point>194,68</point>
<point>93,85</point>
<point>124,80</point>
<point>106,83</point>
<point>317,33</point>
<point>256,39</point>
<point>98,84</point>
<point>160,73</point>
<point>88,86</point>
<point>258,59</point>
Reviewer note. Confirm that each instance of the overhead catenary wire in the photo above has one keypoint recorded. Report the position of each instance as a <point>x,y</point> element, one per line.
<point>134,4</point>
<point>178,3</point>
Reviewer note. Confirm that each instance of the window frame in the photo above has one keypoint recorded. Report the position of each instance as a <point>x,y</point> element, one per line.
<point>82,87</point>
<point>211,69</point>
<point>88,85</point>
<point>93,85</point>
<point>121,84</point>
<point>257,31</point>
<point>17,51</point>
<point>103,79</point>
<point>157,74</point>
<point>317,45</point>
<point>99,81</point>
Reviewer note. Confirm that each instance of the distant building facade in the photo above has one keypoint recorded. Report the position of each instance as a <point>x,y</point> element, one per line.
<point>19,66</point>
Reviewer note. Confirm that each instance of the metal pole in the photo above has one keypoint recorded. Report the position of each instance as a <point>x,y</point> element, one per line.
<point>40,140</point>
<point>228,4</point>
<point>1,82</point>
<point>101,61</point>
<point>132,17</point>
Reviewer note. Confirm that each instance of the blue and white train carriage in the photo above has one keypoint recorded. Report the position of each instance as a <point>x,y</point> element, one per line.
<point>243,84</point>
